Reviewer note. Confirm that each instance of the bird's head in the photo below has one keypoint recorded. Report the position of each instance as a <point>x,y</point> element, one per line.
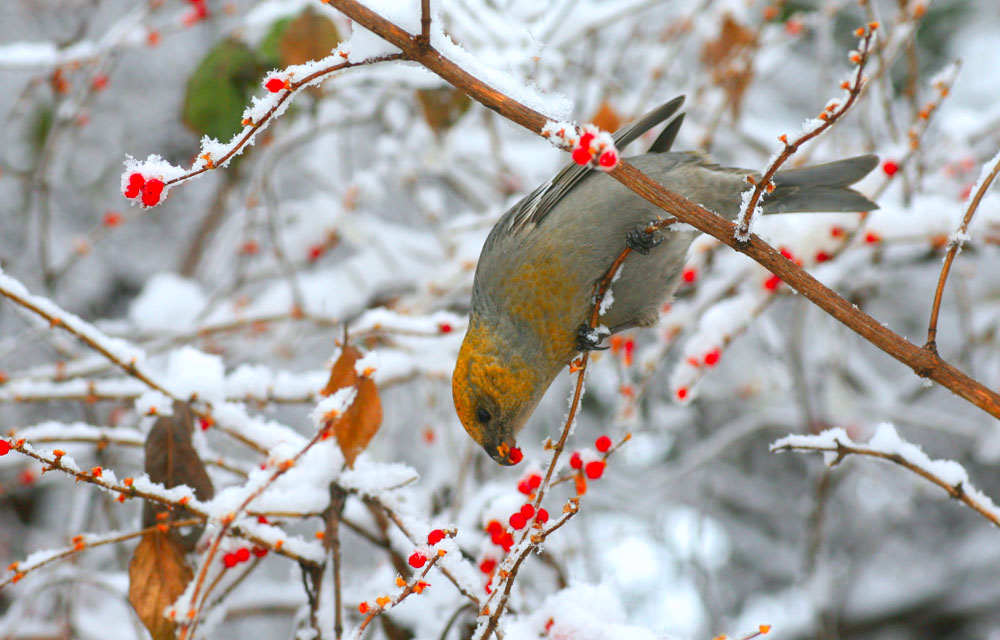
<point>495,390</point>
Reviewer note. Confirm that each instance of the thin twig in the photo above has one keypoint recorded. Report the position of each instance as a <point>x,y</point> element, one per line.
<point>954,245</point>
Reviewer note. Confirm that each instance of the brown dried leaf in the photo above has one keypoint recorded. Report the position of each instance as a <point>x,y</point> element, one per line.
<point>442,107</point>
<point>729,61</point>
<point>606,118</point>
<point>309,36</point>
<point>171,460</point>
<point>158,575</point>
<point>355,428</point>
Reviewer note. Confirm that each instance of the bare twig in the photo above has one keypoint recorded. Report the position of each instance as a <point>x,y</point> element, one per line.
<point>955,244</point>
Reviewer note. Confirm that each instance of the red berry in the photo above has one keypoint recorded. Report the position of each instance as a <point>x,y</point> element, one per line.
<point>534,480</point>
<point>594,469</point>
<point>417,560</point>
<point>890,168</point>
<point>682,393</point>
<point>602,444</point>
<point>518,521</point>
<point>260,552</point>
<point>488,565</point>
<point>435,537</point>
<point>135,184</point>
<point>315,252</point>
<point>4,447</point>
<point>151,192</point>
<point>243,554</point>
<point>99,81</point>
<point>497,536</point>
<point>689,275</point>
<point>494,527</point>
<point>262,519</point>
<point>524,487</point>
<point>575,460</point>
<point>581,155</point>
<point>230,560</point>
<point>872,238</point>
<point>586,139</point>
<point>444,327</point>
<point>712,357</point>
<point>507,541</point>
<point>772,283</point>
<point>836,232</point>
<point>608,159</point>
<point>515,455</point>
<point>822,256</point>
<point>543,516</point>
<point>527,511</point>
<point>274,85</point>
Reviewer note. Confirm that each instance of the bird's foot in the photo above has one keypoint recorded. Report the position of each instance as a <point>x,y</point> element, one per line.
<point>642,241</point>
<point>590,339</point>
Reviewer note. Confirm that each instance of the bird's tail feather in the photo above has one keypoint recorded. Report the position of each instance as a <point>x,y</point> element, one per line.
<point>822,187</point>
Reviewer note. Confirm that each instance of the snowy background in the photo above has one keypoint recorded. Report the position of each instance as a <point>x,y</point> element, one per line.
<point>367,203</point>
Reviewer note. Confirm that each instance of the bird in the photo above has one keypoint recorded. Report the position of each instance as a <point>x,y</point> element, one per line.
<point>533,290</point>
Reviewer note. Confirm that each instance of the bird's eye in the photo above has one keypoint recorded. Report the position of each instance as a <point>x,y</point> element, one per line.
<point>483,414</point>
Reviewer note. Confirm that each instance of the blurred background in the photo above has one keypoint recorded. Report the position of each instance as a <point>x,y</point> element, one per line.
<point>367,203</point>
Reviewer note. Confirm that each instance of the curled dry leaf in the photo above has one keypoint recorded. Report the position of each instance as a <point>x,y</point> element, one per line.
<point>355,428</point>
<point>158,575</point>
<point>171,460</point>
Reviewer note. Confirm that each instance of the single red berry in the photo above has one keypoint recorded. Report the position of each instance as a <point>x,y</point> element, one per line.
<point>417,560</point>
<point>787,254</point>
<point>602,444</point>
<point>575,460</point>
<point>26,477</point>
<point>712,357</point>
<point>872,238</point>
<point>315,252</point>
<point>205,424</point>
<point>586,139</point>
<point>518,521</point>
<point>243,554</point>
<point>836,232</point>
<point>581,155</point>
<point>534,481</point>
<point>274,85</point>
<point>435,537</point>
<point>890,168</point>
<point>515,455</point>
<point>135,184</point>
<point>608,159</point>
<point>262,519</point>
<point>4,447</point>
<point>527,511</point>
<point>682,393</point>
<point>594,469</point>
<point>488,565</point>
<point>772,283</point>
<point>543,516</point>
<point>507,541</point>
<point>444,327</point>
<point>494,527</point>
<point>260,552</point>
<point>822,256</point>
<point>524,487</point>
<point>497,536</point>
<point>99,81</point>
<point>151,192</point>
<point>689,275</point>
<point>230,560</point>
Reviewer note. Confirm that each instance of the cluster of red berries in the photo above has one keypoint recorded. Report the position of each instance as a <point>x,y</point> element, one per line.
<point>242,555</point>
<point>593,469</point>
<point>151,189</point>
<point>584,153</point>
<point>417,559</point>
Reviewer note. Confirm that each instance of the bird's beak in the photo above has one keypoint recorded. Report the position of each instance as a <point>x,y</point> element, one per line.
<point>505,452</point>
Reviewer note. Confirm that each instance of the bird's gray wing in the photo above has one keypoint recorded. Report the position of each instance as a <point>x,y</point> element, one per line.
<point>533,207</point>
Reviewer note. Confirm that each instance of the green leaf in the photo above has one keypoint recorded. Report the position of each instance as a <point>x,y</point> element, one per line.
<point>220,88</point>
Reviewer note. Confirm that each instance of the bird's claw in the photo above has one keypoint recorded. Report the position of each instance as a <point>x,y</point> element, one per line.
<point>642,241</point>
<point>589,339</point>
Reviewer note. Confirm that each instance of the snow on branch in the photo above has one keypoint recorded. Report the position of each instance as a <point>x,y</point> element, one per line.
<point>887,445</point>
